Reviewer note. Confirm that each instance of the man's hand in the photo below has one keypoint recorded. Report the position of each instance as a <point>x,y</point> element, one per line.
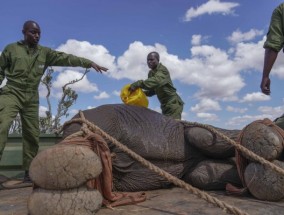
<point>99,68</point>
<point>265,85</point>
<point>132,88</point>
<point>135,85</point>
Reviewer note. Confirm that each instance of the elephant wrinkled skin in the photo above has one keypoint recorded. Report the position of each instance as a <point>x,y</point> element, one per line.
<point>188,152</point>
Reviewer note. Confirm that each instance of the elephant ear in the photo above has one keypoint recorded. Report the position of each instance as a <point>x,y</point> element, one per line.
<point>210,144</point>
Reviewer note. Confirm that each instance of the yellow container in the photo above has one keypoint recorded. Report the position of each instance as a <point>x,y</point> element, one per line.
<point>137,97</point>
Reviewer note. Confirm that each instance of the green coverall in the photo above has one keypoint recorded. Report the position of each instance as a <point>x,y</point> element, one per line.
<point>159,82</point>
<point>23,68</point>
<point>275,40</point>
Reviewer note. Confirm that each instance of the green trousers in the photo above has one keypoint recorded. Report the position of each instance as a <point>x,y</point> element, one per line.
<point>173,108</point>
<point>26,103</point>
<point>280,121</point>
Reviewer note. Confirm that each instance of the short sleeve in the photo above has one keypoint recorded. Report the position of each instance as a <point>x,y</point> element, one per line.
<point>275,35</point>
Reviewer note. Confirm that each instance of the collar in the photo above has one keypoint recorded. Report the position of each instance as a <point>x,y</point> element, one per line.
<point>22,43</point>
<point>155,70</point>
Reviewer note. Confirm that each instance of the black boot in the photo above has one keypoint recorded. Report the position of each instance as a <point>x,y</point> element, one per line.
<point>27,178</point>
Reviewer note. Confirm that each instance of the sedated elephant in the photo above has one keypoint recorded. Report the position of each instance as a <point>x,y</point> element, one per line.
<point>186,150</point>
<point>190,153</point>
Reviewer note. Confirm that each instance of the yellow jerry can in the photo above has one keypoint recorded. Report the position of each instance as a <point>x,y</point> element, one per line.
<point>137,97</point>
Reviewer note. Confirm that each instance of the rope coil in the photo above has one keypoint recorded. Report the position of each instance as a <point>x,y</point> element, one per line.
<point>239,147</point>
<point>88,126</point>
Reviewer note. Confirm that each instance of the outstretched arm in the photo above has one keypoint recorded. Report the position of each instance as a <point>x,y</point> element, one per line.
<point>269,59</point>
<point>56,58</point>
<point>99,68</point>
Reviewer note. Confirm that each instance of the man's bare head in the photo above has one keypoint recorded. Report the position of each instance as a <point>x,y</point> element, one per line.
<point>31,31</point>
<point>153,59</point>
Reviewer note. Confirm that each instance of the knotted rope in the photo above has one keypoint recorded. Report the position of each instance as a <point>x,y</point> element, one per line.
<point>176,181</point>
<point>238,146</point>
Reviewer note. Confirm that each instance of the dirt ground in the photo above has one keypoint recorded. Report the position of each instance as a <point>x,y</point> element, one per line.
<point>174,201</point>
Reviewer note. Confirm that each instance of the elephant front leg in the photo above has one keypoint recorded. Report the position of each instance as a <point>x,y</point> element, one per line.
<point>213,175</point>
<point>211,144</point>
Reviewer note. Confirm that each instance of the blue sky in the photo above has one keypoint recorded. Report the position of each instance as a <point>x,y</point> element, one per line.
<point>213,49</point>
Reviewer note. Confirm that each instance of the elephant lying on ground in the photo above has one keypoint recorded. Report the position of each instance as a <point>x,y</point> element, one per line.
<point>190,153</point>
<point>185,150</point>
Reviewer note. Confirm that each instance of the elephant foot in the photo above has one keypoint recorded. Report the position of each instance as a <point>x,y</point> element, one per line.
<point>57,202</point>
<point>213,175</point>
<point>262,139</point>
<point>64,167</point>
<point>263,182</point>
<point>211,144</point>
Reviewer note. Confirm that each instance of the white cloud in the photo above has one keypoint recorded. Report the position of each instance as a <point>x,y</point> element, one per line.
<point>183,115</point>
<point>196,39</point>
<point>91,107</point>
<point>278,68</point>
<point>73,112</point>
<point>266,112</point>
<point>245,120</point>
<point>209,68</point>
<point>102,95</point>
<point>157,109</point>
<point>42,111</point>
<point>116,92</point>
<point>205,105</point>
<point>274,112</point>
<point>237,36</point>
<point>255,97</point>
<point>97,53</point>
<point>83,85</point>
<point>211,7</point>
<point>133,64</point>
<point>207,116</point>
<point>42,91</point>
<point>216,74</point>
<point>249,55</point>
<point>236,110</point>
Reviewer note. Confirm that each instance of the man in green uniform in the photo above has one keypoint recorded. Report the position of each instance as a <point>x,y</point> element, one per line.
<point>273,44</point>
<point>159,82</point>
<point>23,64</point>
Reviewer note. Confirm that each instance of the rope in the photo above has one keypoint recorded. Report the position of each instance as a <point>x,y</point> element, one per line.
<point>76,134</point>
<point>203,195</point>
<point>241,148</point>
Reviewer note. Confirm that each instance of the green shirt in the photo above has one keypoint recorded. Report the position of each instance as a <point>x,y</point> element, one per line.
<point>275,35</point>
<point>159,82</point>
<point>23,67</point>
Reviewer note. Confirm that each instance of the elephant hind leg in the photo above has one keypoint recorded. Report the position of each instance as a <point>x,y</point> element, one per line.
<point>213,175</point>
<point>211,144</point>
